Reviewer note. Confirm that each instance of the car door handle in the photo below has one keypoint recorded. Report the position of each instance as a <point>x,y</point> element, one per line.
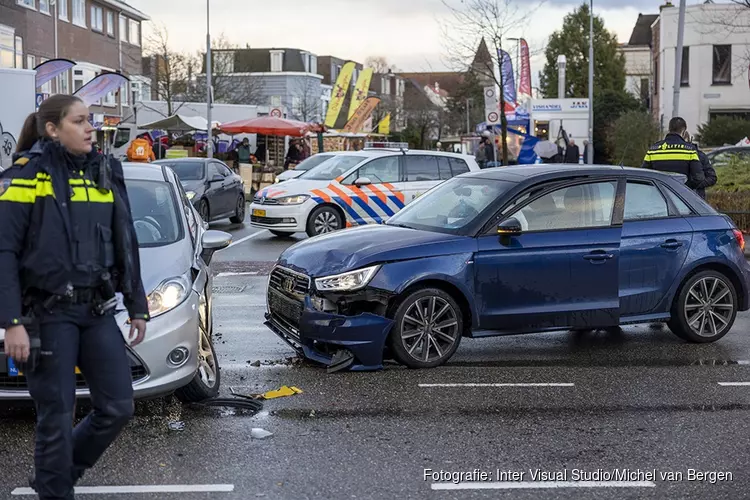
<point>598,256</point>
<point>671,244</point>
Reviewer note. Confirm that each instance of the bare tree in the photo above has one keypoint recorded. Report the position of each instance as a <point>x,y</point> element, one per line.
<point>484,23</point>
<point>733,19</point>
<point>379,64</point>
<point>306,104</point>
<point>169,69</point>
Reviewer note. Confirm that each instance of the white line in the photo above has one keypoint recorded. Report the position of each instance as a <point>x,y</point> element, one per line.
<point>501,385</point>
<point>731,384</point>
<point>242,240</point>
<point>221,275</point>
<point>528,485</point>
<point>165,488</point>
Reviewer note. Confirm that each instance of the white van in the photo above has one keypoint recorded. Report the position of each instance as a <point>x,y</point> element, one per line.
<point>353,188</point>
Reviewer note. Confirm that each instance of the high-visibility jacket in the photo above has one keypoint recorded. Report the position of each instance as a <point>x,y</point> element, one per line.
<point>140,150</point>
<point>675,155</point>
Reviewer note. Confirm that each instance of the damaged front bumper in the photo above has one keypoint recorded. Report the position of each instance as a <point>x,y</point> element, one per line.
<point>355,342</point>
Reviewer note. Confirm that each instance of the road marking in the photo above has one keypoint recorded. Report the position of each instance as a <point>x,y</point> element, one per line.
<point>249,237</point>
<point>502,385</point>
<point>731,384</point>
<point>529,485</point>
<point>161,488</point>
<point>221,275</point>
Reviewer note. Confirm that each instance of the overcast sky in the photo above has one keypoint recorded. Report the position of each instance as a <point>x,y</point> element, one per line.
<point>407,32</point>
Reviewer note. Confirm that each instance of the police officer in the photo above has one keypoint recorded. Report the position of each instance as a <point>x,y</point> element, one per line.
<point>68,244</point>
<point>675,155</point>
<point>708,170</point>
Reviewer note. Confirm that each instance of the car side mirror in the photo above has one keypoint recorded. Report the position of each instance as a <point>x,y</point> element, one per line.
<point>216,178</point>
<point>509,227</point>
<point>362,181</point>
<point>213,241</point>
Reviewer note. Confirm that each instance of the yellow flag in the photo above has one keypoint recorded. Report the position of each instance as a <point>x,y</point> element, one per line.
<point>385,125</point>
<point>361,115</point>
<point>360,91</point>
<point>338,94</point>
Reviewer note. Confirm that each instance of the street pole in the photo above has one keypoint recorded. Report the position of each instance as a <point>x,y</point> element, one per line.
<point>590,159</point>
<point>678,61</point>
<point>468,126</point>
<point>54,4</point>
<point>209,137</point>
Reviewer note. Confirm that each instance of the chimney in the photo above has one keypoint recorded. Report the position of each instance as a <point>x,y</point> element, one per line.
<point>667,4</point>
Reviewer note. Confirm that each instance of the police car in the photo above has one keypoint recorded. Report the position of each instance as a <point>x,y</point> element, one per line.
<point>354,188</point>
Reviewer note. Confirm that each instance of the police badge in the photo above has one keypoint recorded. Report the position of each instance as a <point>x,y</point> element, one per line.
<point>4,185</point>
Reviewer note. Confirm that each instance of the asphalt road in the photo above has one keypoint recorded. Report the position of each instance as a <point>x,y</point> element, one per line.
<point>634,403</point>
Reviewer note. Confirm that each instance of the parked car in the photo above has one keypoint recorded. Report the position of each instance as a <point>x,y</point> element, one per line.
<point>176,248</point>
<point>352,189</point>
<point>211,186</point>
<point>306,165</point>
<point>725,156</point>
<point>514,250</point>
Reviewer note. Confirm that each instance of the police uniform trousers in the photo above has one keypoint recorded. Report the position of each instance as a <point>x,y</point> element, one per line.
<point>72,336</point>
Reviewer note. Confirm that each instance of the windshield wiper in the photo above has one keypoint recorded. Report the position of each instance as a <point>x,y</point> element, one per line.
<point>400,225</point>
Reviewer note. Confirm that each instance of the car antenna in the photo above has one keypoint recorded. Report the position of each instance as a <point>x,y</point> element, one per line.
<point>622,159</point>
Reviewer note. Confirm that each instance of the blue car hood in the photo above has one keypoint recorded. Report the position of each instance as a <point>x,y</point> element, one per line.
<point>358,247</point>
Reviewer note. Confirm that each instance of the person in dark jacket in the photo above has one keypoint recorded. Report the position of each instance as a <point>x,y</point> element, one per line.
<point>675,155</point>
<point>572,152</point>
<point>68,245</point>
<point>708,169</point>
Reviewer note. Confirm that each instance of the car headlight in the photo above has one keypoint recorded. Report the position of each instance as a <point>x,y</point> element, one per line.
<point>293,200</point>
<point>168,295</point>
<point>190,195</point>
<point>277,180</point>
<point>346,282</point>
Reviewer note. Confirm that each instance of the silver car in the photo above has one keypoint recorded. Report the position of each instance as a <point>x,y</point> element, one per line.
<point>176,248</point>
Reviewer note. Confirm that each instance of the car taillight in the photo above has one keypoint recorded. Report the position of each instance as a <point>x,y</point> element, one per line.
<point>740,238</point>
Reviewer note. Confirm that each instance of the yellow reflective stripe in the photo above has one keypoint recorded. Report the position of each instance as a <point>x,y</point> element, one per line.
<point>19,194</point>
<point>23,182</point>
<point>93,195</point>
<point>673,154</point>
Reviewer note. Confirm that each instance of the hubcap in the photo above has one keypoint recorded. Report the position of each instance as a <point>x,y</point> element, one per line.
<point>709,307</point>
<point>204,211</point>
<point>429,329</point>
<point>206,361</point>
<point>326,222</point>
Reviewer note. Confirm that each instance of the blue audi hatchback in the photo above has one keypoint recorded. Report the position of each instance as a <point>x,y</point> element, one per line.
<point>508,251</point>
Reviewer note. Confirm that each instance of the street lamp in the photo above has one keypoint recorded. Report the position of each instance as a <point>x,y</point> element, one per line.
<point>209,131</point>
<point>590,159</point>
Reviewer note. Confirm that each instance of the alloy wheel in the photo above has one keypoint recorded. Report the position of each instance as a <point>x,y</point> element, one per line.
<point>206,360</point>
<point>241,208</point>
<point>709,307</point>
<point>429,328</point>
<point>203,211</point>
<point>326,222</point>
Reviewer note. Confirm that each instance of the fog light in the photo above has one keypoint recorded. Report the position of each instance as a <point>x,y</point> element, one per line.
<point>289,220</point>
<point>178,356</point>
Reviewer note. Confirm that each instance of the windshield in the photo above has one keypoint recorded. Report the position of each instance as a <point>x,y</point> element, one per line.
<point>188,170</point>
<point>313,162</point>
<point>153,207</point>
<point>452,205</point>
<point>332,168</point>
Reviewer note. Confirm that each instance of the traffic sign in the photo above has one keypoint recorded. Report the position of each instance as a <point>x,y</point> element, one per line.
<point>493,117</point>
<point>276,112</point>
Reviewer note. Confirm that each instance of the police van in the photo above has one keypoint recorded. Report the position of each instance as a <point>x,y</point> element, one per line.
<point>353,188</point>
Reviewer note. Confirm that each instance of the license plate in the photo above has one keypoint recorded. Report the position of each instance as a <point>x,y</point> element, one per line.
<point>14,372</point>
<point>259,213</point>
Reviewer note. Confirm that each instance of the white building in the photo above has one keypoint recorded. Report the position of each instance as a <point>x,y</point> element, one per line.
<point>714,63</point>
<point>637,53</point>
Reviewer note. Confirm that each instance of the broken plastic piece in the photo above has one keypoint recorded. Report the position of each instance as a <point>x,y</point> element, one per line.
<point>342,360</point>
<point>258,433</point>
<point>281,392</point>
<point>176,426</point>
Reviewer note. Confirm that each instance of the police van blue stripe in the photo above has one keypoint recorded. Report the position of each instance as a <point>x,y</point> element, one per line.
<point>354,215</point>
<point>396,201</point>
<point>372,213</point>
<point>383,206</point>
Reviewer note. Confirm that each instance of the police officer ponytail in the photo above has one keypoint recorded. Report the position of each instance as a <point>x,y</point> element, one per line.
<point>53,109</point>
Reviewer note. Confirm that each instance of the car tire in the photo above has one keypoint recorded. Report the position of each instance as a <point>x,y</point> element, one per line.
<point>281,234</point>
<point>202,387</point>
<point>410,333</point>
<point>239,212</point>
<point>204,210</point>
<point>325,219</point>
<point>707,294</point>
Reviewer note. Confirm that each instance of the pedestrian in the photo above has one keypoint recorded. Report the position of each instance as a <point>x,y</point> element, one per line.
<point>675,155</point>
<point>140,150</point>
<point>68,245</point>
<point>708,170</point>
<point>572,152</point>
<point>586,146</point>
<point>481,153</point>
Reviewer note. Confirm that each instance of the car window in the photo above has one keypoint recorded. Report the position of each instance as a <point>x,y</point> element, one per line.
<point>154,210</point>
<point>681,206</point>
<point>444,167</point>
<point>187,170</point>
<point>572,207</point>
<point>421,168</point>
<point>313,161</point>
<point>189,214</point>
<point>644,201</point>
<point>213,171</point>
<point>379,170</point>
<point>332,168</point>
<point>458,166</point>
<point>223,170</point>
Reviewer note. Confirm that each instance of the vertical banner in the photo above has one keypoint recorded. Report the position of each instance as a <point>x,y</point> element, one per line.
<point>339,94</point>
<point>360,91</point>
<point>384,127</point>
<point>48,70</point>
<point>361,115</point>
<point>100,86</point>
<point>509,83</point>
<point>524,78</point>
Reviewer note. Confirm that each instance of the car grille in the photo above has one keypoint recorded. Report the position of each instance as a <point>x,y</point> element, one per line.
<point>289,282</point>
<point>286,291</point>
<point>267,220</point>
<point>137,372</point>
<point>265,201</point>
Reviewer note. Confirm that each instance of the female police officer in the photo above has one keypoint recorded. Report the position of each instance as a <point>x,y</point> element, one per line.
<point>67,246</point>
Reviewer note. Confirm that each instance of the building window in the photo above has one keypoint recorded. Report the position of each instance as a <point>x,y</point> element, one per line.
<point>109,99</point>
<point>62,7</point>
<point>63,83</point>
<point>722,67</point>
<point>685,75</point>
<point>19,52</point>
<point>125,93</point>
<point>79,13</point>
<point>44,6</point>
<point>135,32</point>
<point>645,91</point>
<point>77,79</point>
<point>275,101</point>
<point>110,23</point>
<point>313,64</point>
<point>277,60</point>
<point>30,62</point>
<point>26,3</point>
<point>297,106</point>
<point>97,18</point>
<point>123,28</point>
